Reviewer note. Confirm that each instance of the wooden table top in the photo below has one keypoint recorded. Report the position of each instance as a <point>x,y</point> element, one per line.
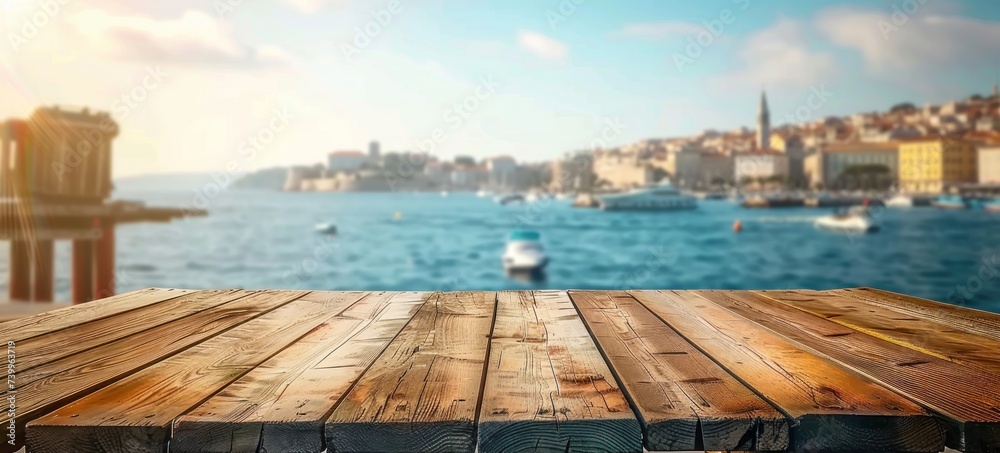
<point>604,371</point>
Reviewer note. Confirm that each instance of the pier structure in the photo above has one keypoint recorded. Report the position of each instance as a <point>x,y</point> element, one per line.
<point>496,372</point>
<point>55,184</point>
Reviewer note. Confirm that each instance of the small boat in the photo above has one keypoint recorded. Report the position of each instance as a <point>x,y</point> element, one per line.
<point>992,205</point>
<point>857,219</point>
<point>444,193</point>
<point>537,196</point>
<point>483,194</point>
<point>660,197</point>
<point>565,196</point>
<point>328,229</point>
<point>509,199</point>
<point>524,252</point>
<point>950,202</point>
<point>900,201</point>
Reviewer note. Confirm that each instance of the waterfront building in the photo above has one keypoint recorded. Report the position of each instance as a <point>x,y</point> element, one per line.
<point>853,165</point>
<point>716,168</point>
<point>374,153</point>
<point>622,171</point>
<point>760,165</point>
<point>573,172</point>
<point>502,171</point>
<point>465,176</point>
<point>932,165</point>
<point>345,161</point>
<point>989,164</point>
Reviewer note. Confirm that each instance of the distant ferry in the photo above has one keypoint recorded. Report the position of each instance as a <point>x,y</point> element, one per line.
<point>660,197</point>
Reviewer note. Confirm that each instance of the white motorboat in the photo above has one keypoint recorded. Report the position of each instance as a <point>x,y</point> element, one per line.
<point>534,197</point>
<point>857,219</point>
<point>660,197</point>
<point>328,229</point>
<point>484,194</point>
<point>900,201</point>
<point>524,253</point>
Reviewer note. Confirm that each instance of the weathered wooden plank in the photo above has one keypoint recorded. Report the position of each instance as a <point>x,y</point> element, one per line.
<point>134,414</point>
<point>422,393</point>
<point>974,321</point>
<point>547,386</point>
<point>43,388</point>
<point>75,339</point>
<point>968,397</point>
<point>834,409</point>
<point>918,333</point>
<point>24,328</point>
<point>686,401</point>
<point>282,404</point>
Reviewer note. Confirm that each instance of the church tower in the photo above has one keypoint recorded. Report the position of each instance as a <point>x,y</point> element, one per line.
<point>763,124</point>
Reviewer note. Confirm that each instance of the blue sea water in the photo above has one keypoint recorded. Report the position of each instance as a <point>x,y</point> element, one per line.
<point>256,239</point>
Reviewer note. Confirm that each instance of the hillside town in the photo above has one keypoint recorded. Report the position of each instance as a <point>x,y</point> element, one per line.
<point>921,150</point>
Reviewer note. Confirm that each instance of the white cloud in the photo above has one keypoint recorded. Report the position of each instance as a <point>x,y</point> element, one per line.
<point>542,46</point>
<point>661,29</point>
<point>194,37</point>
<point>926,39</point>
<point>778,56</point>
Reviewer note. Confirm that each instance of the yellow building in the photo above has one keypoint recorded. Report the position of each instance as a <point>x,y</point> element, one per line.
<point>931,166</point>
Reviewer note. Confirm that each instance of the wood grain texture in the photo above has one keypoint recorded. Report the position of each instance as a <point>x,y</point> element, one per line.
<point>974,321</point>
<point>968,397</point>
<point>79,338</point>
<point>43,388</point>
<point>134,414</point>
<point>833,409</point>
<point>421,394</point>
<point>548,388</point>
<point>24,328</point>
<point>282,404</point>
<point>941,340</point>
<point>686,401</point>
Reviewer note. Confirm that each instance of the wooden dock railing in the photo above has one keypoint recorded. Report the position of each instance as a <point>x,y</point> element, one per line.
<point>578,371</point>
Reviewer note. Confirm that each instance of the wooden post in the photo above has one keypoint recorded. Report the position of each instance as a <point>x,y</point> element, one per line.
<point>20,270</point>
<point>44,270</point>
<point>104,261</point>
<point>83,270</point>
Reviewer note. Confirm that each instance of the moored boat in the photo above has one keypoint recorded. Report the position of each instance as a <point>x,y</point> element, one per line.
<point>858,219</point>
<point>900,201</point>
<point>661,197</point>
<point>524,252</point>
<point>950,202</point>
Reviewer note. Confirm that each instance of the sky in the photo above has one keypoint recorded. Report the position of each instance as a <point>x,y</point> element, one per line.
<point>238,85</point>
